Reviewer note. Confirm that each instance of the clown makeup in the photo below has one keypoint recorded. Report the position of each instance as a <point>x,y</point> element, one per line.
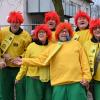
<point>51,24</point>
<point>64,35</point>
<point>82,23</point>
<point>42,36</point>
<point>96,32</point>
<point>14,27</point>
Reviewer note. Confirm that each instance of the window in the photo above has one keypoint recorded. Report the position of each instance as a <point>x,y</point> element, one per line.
<point>63,0</point>
<point>87,10</point>
<point>72,8</point>
<point>79,7</point>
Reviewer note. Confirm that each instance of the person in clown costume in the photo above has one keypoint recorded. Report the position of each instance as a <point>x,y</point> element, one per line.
<point>37,78</point>
<point>64,57</point>
<point>14,41</point>
<point>52,19</point>
<point>92,48</point>
<point>82,32</point>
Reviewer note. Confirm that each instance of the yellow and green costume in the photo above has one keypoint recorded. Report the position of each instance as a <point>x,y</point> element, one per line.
<point>14,45</point>
<point>68,66</point>
<point>92,48</point>
<point>82,36</point>
<point>37,78</point>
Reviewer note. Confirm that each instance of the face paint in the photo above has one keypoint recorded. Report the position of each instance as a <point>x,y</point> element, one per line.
<point>82,23</point>
<point>14,27</point>
<point>51,24</point>
<point>42,35</point>
<point>96,32</point>
<point>64,35</point>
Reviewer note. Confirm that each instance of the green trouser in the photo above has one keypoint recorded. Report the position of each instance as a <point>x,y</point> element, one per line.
<point>37,90</point>
<point>1,85</point>
<point>21,89</point>
<point>96,88</point>
<point>8,81</point>
<point>74,91</point>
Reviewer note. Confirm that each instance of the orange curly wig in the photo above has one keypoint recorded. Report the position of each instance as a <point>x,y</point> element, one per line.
<point>62,26</point>
<point>45,28</point>
<point>15,17</point>
<point>94,23</point>
<point>52,15</point>
<point>81,14</point>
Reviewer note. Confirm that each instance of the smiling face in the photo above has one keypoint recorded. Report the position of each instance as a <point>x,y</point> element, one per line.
<point>51,24</point>
<point>96,32</point>
<point>42,35</point>
<point>82,23</point>
<point>14,27</point>
<point>63,35</point>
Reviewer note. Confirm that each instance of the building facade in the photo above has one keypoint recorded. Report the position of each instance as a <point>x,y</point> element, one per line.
<point>33,10</point>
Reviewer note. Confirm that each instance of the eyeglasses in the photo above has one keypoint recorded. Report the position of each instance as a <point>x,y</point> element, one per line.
<point>95,28</point>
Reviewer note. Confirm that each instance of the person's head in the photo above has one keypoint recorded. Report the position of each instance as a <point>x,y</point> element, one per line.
<point>52,19</point>
<point>95,28</point>
<point>15,19</point>
<point>64,32</point>
<point>42,32</point>
<point>82,20</point>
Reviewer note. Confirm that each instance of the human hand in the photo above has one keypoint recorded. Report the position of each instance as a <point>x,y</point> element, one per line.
<point>16,81</point>
<point>17,61</point>
<point>7,57</point>
<point>85,83</point>
<point>2,63</point>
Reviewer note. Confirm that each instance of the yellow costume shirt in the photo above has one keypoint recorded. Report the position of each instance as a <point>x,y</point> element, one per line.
<point>69,64</point>
<point>82,36</point>
<point>33,51</point>
<point>91,50</point>
<point>18,45</point>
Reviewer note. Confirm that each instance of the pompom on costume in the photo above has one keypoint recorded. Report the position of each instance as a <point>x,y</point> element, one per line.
<point>15,17</point>
<point>81,14</point>
<point>45,28</point>
<point>62,26</point>
<point>94,23</point>
<point>52,15</point>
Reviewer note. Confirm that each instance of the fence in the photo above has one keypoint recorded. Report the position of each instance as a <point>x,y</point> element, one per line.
<point>30,27</point>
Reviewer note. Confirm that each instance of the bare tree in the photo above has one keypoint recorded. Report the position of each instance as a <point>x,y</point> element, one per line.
<point>59,8</point>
